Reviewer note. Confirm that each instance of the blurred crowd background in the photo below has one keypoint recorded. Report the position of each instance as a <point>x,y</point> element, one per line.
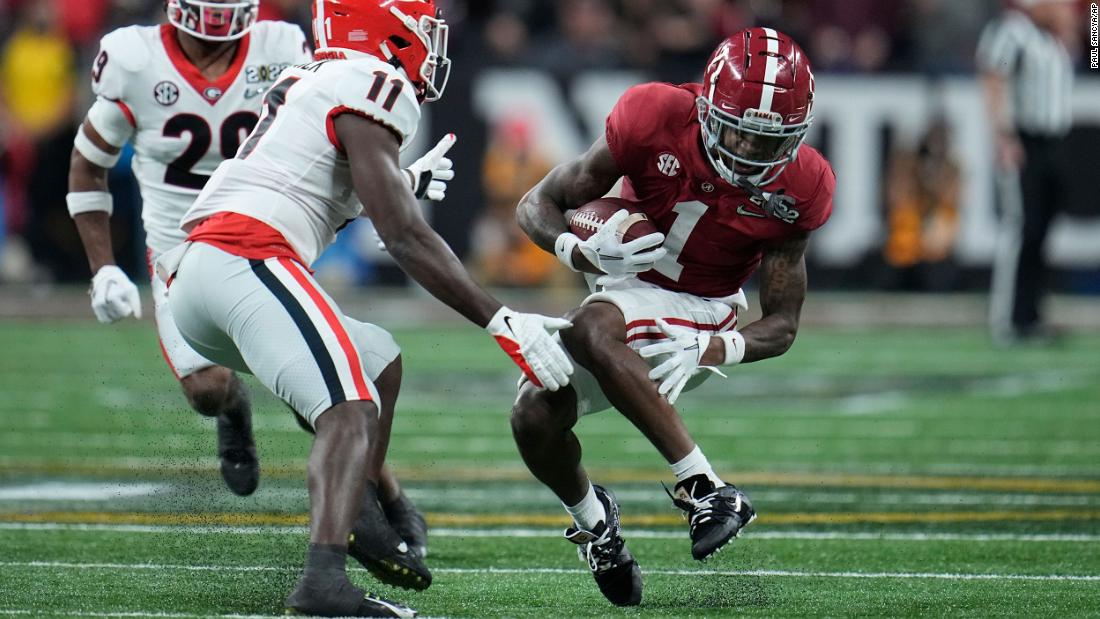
<point>918,200</point>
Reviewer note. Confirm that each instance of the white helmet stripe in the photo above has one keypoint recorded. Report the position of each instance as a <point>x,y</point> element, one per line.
<point>771,68</point>
<point>319,25</point>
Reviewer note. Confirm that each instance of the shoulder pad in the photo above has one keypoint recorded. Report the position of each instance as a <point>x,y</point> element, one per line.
<point>128,47</point>
<point>281,40</point>
<point>376,90</point>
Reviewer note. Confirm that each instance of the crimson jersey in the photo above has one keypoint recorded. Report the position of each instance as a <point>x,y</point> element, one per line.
<point>715,234</point>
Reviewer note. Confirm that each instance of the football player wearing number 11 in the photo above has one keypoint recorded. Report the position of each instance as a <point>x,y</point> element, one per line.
<point>721,170</point>
<point>324,152</point>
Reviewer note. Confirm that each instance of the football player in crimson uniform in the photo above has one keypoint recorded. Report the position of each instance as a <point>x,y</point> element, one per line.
<point>186,94</point>
<point>324,152</point>
<point>720,169</point>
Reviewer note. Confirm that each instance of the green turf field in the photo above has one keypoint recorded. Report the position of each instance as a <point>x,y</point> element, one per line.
<point>896,473</point>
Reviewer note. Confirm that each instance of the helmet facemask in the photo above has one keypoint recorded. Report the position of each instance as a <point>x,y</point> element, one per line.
<point>213,20</point>
<point>432,33</point>
<point>757,143</point>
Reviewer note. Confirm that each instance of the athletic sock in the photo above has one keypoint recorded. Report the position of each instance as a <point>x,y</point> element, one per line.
<point>589,512</point>
<point>323,561</point>
<point>695,463</point>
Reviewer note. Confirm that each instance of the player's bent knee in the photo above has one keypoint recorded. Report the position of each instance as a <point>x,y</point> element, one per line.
<point>211,390</point>
<point>537,412</point>
<point>594,325</point>
<point>351,420</point>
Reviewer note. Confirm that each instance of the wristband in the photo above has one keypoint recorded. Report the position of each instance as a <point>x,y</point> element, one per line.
<point>735,347</point>
<point>89,201</point>
<point>563,249</point>
<point>86,147</point>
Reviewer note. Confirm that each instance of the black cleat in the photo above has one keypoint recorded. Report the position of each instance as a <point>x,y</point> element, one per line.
<point>409,523</point>
<point>379,548</point>
<point>341,599</point>
<point>715,515</point>
<point>616,572</point>
<point>237,454</point>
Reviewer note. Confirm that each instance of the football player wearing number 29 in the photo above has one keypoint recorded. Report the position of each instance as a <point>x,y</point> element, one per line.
<point>324,152</point>
<point>721,171</point>
<point>186,94</point>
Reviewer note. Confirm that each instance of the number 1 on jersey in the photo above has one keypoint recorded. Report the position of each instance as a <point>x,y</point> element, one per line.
<point>688,215</point>
<point>396,84</point>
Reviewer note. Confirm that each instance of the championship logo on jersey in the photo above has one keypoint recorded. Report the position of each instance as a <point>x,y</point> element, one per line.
<point>166,93</point>
<point>668,164</point>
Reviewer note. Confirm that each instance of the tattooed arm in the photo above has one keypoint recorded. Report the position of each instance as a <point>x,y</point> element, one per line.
<point>541,213</point>
<point>782,291</point>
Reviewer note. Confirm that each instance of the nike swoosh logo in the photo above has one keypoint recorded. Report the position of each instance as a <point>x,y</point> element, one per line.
<point>741,210</point>
<point>508,323</point>
<point>253,92</point>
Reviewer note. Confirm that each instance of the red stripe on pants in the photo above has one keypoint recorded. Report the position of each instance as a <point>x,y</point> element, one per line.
<point>334,323</point>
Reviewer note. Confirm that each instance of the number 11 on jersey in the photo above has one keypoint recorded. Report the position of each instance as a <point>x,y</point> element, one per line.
<point>688,215</point>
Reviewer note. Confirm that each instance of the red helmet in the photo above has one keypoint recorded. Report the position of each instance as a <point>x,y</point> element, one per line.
<point>409,34</point>
<point>213,20</point>
<point>758,92</point>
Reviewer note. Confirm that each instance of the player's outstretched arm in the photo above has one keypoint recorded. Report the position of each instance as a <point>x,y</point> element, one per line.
<point>114,296</point>
<point>387,199</point>
<point>782,292</point>
<point>541,213</point>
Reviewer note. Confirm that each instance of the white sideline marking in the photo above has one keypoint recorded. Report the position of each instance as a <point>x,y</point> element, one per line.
<point>559,570</point>
<point>138,613</point>
<point>555,533</point>
<point>77,491</point>
<point>135,613</point>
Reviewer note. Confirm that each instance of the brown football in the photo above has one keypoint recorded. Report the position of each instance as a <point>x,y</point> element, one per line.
<point>586,220</point>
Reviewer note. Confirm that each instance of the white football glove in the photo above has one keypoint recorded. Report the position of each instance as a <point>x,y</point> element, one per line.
<point>114,296</point>
<point>527,339</point>
<point>605,249</point>
<point>430,173</point>
<point>685,348</point>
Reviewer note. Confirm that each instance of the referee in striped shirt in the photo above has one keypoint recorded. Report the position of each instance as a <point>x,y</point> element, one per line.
<point>1027,76</point>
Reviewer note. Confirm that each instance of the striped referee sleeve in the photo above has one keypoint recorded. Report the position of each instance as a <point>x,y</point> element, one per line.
<point>999,45</point>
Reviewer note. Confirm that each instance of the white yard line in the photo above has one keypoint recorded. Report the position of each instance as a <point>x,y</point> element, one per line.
<point>555,533</point>
<point>132,613</point>
<point>135,613</point>
<point>554,570</point>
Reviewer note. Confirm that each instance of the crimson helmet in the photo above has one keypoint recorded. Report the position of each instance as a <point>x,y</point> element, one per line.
<point>213,20</point>
<point>409,34</point>
<point>758,92</point>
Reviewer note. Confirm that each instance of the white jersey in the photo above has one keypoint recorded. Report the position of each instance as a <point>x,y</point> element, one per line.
<point>292,173</point>
<point>182,125</point>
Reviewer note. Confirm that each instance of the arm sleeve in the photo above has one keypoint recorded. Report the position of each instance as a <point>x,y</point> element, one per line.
<point>112,121</point>
<point>997,48</point>
<point>377,92</point>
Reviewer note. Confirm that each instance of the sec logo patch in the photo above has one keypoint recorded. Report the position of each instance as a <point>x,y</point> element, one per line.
<point>166,93</point>
<point>668,164</point>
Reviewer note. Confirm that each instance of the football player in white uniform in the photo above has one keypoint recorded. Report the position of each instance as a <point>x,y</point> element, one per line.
<point>325,152</point>
<point>187,93</point>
